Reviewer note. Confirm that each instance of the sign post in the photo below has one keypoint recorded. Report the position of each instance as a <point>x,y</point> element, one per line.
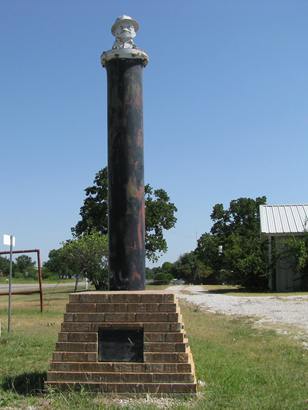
<point>10,241</point>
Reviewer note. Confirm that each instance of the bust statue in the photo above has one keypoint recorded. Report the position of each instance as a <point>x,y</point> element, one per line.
<point>124,29</point>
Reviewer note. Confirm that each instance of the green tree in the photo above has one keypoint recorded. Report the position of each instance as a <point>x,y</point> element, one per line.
<point>191,268</point>
<point>207,250</point>
<point>4,266</point>
<point>58,264</point>
<point>237,230</point>
<point>241,217</point>
<point>88,255</point>
<point>159,214</point>
<point>25,266</point>
<point>94,212</point>
<point>167,267</point>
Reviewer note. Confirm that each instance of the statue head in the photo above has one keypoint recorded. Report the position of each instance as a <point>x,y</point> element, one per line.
<point>124,29</point>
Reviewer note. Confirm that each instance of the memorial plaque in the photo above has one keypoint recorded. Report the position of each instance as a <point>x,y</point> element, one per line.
<point>120,345</point>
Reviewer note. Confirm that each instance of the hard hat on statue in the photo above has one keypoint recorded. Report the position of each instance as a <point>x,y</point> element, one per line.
<point>124,29</point>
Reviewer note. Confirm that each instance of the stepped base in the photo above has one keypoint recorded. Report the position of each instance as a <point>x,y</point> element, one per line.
<point>123,342</point>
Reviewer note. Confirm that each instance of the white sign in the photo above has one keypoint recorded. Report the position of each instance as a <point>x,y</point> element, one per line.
<point>7,240</point>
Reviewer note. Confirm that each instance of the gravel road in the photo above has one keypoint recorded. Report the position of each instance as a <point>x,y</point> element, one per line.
<point>34,286</point>
<point>285,311</point>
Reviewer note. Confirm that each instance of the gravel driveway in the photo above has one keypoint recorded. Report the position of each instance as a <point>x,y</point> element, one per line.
<point>285,311</point>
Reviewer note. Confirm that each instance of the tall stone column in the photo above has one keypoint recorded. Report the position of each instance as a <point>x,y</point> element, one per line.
<point>124,64</point>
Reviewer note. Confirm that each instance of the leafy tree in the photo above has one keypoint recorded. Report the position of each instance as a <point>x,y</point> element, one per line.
<point>241,217</point>
<point>167,267</point>
<point>207,250</point>
<point>24,264</point>
<point>24,267</point>
<point>57,263</point>
<point>191,268</point>
<point>159,214</point>
<point>163,278</point>
<point>237,229</point>
<point>88,255</point>
<point>94,212</point>
<point>4,266</point>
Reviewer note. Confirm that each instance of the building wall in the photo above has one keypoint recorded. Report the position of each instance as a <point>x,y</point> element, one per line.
<point>287,278</point>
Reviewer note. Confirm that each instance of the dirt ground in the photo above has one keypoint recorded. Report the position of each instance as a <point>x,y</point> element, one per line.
<point>285,314</point>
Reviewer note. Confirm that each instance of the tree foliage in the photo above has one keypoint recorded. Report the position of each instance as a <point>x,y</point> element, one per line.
<point>24,264</point>
<point>22,267</point>
<point>58,264</point>
<point>94,212</point>
<point>88,256</point>
<point>191,268</point>
<point>159,214</point>
<point>237,230</point>
<point>4,266</point>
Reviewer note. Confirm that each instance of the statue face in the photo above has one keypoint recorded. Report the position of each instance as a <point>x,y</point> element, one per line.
<point>125,31</point>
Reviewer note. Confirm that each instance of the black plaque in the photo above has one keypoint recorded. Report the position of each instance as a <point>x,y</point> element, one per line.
<point>120,345</point>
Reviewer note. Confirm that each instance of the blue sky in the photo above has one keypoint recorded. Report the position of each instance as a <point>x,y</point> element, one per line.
<point>225,108</point>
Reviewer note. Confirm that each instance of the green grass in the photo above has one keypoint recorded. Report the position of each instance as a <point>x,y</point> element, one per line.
<point>242,368</point>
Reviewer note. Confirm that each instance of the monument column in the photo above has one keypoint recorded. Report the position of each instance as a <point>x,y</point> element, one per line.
<point>124,65</point>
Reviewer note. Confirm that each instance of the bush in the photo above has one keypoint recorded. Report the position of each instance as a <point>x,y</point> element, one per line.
<point>162,279</point>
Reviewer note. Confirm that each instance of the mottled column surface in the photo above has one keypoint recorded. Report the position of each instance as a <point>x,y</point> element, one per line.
<point>124,65</point>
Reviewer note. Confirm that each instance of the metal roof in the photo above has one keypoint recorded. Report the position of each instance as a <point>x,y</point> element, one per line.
<point>284,219</point>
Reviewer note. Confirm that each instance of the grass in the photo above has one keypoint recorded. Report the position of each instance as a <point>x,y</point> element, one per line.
<point>242,367</point>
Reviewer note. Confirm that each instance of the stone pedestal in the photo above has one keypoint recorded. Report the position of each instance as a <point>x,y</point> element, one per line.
<point>164,365</point>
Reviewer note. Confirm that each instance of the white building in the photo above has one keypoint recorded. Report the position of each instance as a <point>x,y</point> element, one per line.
<point>280,223</point>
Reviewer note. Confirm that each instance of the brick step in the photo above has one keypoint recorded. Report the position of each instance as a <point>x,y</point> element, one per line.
<point>122,297</point>
<point>148,337</point>
<point>78,337</point>
<point>121,307</point>
<point>119,388</point>
<point>76,347</point>
<point>167,357</point>
<point>120,377</point>
<point>74,357</point>
<point>148,327</point>
<point>164,337</point>
<point>122,317</point>
<point>125,367</point>
<point>164,347</point>
<point>149,357</point>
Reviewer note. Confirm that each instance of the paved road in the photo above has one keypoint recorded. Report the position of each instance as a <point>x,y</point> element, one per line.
<point>34,286</point>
